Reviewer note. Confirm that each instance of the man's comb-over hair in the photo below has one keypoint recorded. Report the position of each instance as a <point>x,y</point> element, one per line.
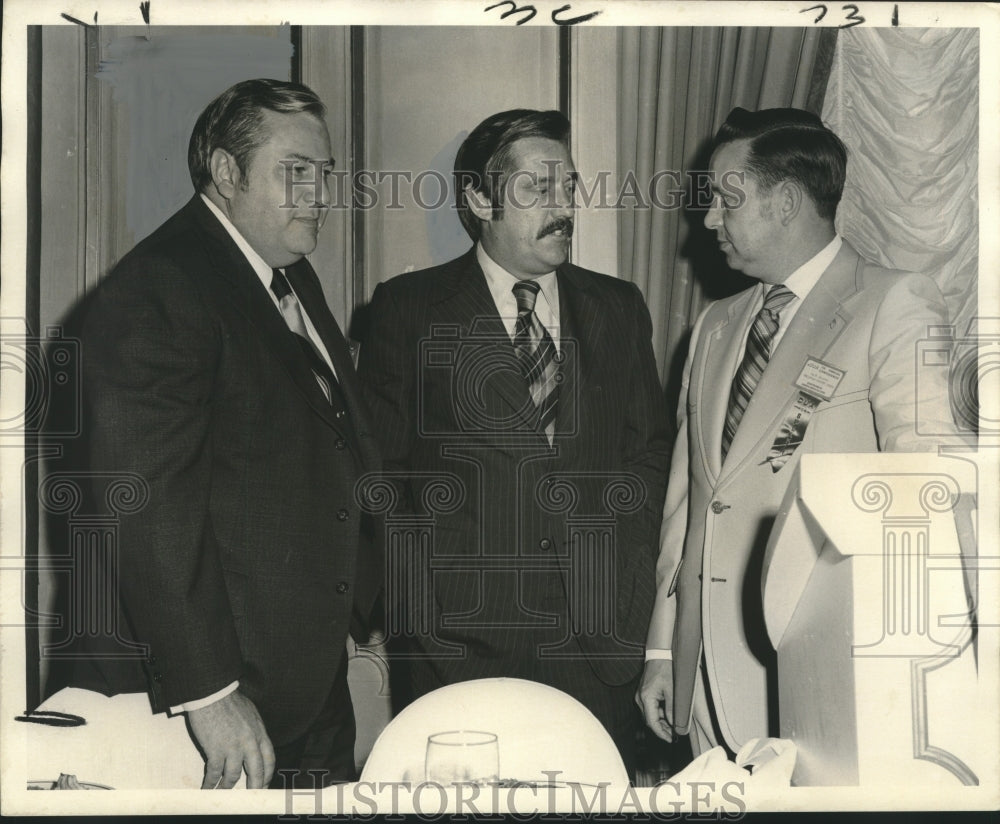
<point>791,144</point>
<point>234,122</point>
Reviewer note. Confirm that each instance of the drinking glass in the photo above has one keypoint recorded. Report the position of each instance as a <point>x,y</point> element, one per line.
<point>462,757</point>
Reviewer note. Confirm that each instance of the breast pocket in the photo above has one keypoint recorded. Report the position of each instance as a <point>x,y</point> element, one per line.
<point>843,424</point>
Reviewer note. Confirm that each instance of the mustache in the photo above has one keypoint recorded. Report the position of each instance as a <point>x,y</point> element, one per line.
<point>563,224</point>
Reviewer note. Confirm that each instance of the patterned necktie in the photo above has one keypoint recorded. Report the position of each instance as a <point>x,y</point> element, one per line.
<point>758,351</point>
<point>537,354</point>
<point>291,311</point>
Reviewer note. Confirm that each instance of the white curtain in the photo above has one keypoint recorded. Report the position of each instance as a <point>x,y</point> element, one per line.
<point>906,103</point>
<point>676,86</point>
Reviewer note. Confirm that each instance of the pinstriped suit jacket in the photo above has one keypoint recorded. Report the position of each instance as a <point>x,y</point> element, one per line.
<point>251,559</point>
<point>546,543</point>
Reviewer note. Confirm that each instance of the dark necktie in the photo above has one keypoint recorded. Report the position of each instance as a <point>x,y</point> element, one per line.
<point>755,358</point>
<point>291,311</point>
<point>537,354</point>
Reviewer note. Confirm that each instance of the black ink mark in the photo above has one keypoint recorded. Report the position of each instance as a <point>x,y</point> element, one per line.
<point>583,18</point>
<point>822,13</point>
<point>144,8</point>
<point>852,17</point>
<point>79,22</point>
<point>854,20</point>
<point>895,15</point>
<point>49,718</point>
<point>514,9</point>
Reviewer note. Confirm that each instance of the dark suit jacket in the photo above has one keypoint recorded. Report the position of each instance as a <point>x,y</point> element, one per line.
<point>251,557</point>
<point>537,547</point>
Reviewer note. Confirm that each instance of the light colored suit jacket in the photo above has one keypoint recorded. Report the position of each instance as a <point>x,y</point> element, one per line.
<point>859,318</point>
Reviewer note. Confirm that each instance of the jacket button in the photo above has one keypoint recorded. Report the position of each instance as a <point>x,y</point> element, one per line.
<point>718,507</point>
<point>342,515</point>
<point>157,677</point>
<point>151,659</point>
<point>340,443</point>
<point>545,543</point>
<point>339,413</point>
<point>342,587</point>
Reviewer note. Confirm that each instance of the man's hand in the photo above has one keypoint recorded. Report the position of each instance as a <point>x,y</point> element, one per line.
<point>233,737</point>
<point>655,697</point>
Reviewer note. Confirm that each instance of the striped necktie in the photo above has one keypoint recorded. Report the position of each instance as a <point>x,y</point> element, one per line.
<point>291,311</point>
<point>758,351</point>
<point>537,354</point>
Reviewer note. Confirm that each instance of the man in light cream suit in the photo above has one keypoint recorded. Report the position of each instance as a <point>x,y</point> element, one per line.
<point>817,357</point>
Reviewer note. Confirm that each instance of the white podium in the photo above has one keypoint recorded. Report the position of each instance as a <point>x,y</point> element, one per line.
<point>870,591</point>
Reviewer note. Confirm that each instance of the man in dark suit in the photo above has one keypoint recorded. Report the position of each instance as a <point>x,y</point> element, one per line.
<point>215,372</point>
<point>818,357</point>
<point>527,387</point>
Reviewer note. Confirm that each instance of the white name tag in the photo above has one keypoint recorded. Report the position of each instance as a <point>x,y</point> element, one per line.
<point>819,379</point>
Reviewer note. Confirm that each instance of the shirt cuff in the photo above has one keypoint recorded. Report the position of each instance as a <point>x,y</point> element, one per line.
<point>659,655</point>
<point>191,706</point>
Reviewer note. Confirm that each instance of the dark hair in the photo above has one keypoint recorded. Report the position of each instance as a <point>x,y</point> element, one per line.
<point>234,122</point>
<point>791,144</point>
<point>485,156</point>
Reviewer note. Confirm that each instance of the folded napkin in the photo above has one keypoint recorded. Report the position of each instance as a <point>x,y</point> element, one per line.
<point>761,763</point>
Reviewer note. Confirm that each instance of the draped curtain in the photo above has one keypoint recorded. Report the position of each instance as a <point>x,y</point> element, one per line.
<point>677,86</point>
<point>906,103</point>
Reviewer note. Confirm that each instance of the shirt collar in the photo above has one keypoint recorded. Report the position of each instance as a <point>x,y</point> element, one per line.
<point>803,279</point>
<point>256,261</point>
<point>500,281</point>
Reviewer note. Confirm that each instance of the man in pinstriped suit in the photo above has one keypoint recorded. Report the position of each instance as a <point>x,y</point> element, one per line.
<point>546,415</point>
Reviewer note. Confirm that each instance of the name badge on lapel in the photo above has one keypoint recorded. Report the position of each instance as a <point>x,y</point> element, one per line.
<point>819,379</point>
<point>816,383</point>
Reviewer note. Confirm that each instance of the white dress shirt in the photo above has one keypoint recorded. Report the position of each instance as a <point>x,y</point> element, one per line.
<point>801,283</point>
<point>265,274</point>
<point>501,282</point>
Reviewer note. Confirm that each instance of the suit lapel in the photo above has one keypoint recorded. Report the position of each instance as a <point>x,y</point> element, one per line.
<point>501,393</point>
<point>252,299</point>
<point>723,345</point>
<point>586,319</point>
<point>583,343</point>
<point>819,321</point>
<point>306,284</point>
